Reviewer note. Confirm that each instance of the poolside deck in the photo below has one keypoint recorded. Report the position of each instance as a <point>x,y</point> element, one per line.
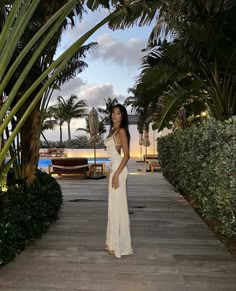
<point>173,249</point>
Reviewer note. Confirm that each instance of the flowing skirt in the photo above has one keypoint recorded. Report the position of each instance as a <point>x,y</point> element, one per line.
<point>118,238</point>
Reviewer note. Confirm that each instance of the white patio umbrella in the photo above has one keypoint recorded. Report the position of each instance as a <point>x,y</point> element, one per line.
<point>146,143</point>
<point>141,144</point>
<point>94,131</point>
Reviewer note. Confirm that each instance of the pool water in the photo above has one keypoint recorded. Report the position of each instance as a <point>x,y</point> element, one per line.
<point>46,163</point>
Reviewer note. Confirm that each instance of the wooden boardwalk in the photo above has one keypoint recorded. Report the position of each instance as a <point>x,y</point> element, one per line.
<point>173,249</point>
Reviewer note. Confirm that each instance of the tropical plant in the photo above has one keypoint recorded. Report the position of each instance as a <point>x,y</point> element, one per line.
<point>29,134</point>
<point>198,61</point>
<point>48,123</point>
<point>68,109</point>
<point>101,128</point>
<point>157,85</point>
<point>109,104</point>
<point>142,105</point>
<point>138,12</point>
<point>12,31</point>
<point>196,43</point>
<point>57,115</point>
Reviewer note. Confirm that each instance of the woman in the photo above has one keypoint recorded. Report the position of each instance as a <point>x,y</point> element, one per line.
<point>118,240</point>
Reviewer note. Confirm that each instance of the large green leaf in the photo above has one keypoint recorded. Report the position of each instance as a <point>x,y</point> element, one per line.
<point>21,20</point>
<point>94,4</point>
<point>4,169</point>
<point>54,22</point>
<point>54,69</point>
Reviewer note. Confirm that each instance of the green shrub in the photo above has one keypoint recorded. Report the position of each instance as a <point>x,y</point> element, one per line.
<point>200,163</point>
<point>82,142</point>
<point>26,212</point>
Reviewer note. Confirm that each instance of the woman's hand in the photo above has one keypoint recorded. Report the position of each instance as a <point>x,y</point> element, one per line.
<point>115,181</point>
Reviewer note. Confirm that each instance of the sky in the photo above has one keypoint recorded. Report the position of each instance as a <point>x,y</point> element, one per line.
<point>112,68</point>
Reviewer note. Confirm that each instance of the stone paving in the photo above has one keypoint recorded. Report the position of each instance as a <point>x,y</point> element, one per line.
<point>173,249</point>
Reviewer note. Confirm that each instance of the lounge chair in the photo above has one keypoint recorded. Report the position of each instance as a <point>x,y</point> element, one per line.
<point>51,152</point>
<point>69,166</point>
<point>153,164</point>
<point>149,157</point>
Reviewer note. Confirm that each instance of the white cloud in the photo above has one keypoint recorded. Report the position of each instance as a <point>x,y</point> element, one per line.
<point>128,53</point>
<point>121,52</point>
<point>95,94</point>
<point>72,87</point>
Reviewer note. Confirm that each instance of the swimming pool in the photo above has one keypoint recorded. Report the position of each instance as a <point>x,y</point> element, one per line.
<point>47,162</point>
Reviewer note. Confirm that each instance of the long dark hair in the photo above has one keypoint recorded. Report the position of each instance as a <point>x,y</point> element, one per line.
<point>124,119</point>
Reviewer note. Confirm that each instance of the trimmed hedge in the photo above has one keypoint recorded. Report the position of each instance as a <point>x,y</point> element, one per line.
<point>201,163</point>
<point>82,142</point>
<point>26,211</point>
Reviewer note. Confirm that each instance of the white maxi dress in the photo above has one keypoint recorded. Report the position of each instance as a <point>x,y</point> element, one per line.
<point>118,238</point>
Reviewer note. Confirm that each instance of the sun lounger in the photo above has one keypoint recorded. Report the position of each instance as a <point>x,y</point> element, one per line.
<point>153,164</point>
<point>149,157</point>
<point>69,166</point>
<point>51,152</point>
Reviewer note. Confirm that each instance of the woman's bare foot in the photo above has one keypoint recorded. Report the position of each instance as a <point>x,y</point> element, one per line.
<point>109,251</point>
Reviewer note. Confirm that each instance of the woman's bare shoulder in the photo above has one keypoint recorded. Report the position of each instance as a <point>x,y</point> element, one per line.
<point>122,134</point>
<point>122,131</point>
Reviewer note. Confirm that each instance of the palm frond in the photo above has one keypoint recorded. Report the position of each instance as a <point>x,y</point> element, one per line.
<point>75,65</point>
<point>177,96</point>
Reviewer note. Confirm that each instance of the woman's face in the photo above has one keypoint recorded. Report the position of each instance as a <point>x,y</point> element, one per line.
<point>116,115</point>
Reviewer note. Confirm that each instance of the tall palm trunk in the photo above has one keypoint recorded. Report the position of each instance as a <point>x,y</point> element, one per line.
<point>30,146</point>
<point>69,131</point>
<point>60,127</point>
<point>46,141</point>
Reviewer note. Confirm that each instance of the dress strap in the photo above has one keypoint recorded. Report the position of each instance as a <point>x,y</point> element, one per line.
<point>115,132</point>
<point>114,137</point>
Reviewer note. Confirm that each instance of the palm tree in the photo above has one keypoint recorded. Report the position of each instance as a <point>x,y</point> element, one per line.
<point>204,35</point>
<point>101,128</point>
<point>110,103</point>
<point>69,109</point>
<point>57,116</point>
<point>15,26</point>
<point>195,65</point>
<point>166,88</point>
<point>51,120</point>
<point>139,12</point>
<point>29,134</point>
<point>47,124</point>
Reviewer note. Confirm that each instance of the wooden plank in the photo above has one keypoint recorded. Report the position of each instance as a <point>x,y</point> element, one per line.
<point>173,249</point>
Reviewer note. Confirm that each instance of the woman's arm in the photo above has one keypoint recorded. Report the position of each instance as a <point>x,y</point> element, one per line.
<point>123,139</point>
<point>108,176</point>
